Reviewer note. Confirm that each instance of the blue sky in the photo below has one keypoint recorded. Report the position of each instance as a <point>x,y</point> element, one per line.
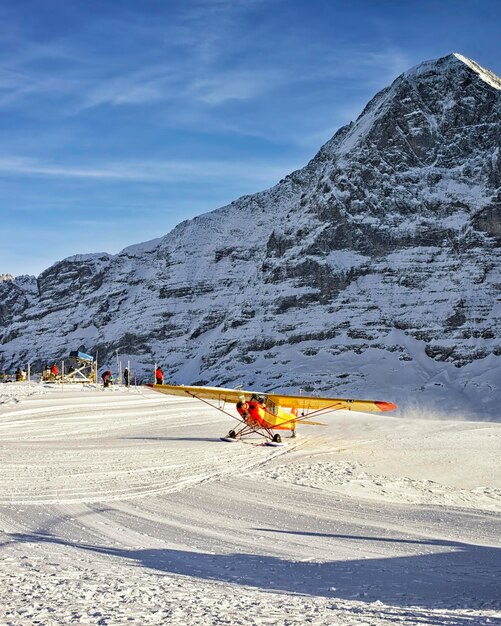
<point>119,119</point>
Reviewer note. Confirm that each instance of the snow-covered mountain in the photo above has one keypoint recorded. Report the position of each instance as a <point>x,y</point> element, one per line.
<point>374,271</point>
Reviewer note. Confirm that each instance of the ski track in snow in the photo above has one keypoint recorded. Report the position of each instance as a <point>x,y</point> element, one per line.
<point>123,507</point>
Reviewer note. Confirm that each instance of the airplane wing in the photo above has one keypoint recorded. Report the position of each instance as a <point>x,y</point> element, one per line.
<point>209,393</point>
<point>315,403</point>
<point>303,403</point>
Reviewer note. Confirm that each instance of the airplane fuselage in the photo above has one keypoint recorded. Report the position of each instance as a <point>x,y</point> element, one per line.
<point>256,415</point>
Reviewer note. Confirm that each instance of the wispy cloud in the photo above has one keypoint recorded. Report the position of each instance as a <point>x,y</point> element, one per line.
<point>211,29</point>
<point>236,85</point>
<point>131,89</point>
<point>194,53</point>
<point>151,171</point>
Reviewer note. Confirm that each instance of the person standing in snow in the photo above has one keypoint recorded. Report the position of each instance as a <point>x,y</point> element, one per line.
<point>126,377</point>
<point>54,370</point>
<point>46,372</point>
<point>107,377</point>
<point>159,376</point>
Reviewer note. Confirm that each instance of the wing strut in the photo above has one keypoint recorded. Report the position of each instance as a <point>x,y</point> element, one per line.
<point>338,406</point>
<point>246,428</point>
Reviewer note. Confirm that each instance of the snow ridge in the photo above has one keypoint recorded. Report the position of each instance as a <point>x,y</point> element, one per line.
<point>486,75</point>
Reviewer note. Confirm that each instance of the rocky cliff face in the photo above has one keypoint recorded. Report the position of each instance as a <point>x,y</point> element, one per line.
<point>373,271</point>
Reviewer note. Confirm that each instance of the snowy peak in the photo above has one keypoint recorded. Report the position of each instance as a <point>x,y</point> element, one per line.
<point>419,116</point>
<point>450,65</point>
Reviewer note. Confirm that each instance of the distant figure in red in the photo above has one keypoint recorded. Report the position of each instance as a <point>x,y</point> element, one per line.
<point>107,377</point>
<point>159,376</point>
<point>54,370</point>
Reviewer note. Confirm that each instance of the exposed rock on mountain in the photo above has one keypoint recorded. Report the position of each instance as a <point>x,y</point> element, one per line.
<point>373,271</point>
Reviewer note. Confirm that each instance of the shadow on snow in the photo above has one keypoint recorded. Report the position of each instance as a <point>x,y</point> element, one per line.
<point>210,439</point>
<point>454,575</point>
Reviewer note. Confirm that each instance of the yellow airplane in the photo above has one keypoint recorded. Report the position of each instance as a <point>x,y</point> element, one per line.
<point>263,413</point>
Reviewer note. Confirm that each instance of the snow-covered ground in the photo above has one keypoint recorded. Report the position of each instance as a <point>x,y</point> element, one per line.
<point>123,507</point>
